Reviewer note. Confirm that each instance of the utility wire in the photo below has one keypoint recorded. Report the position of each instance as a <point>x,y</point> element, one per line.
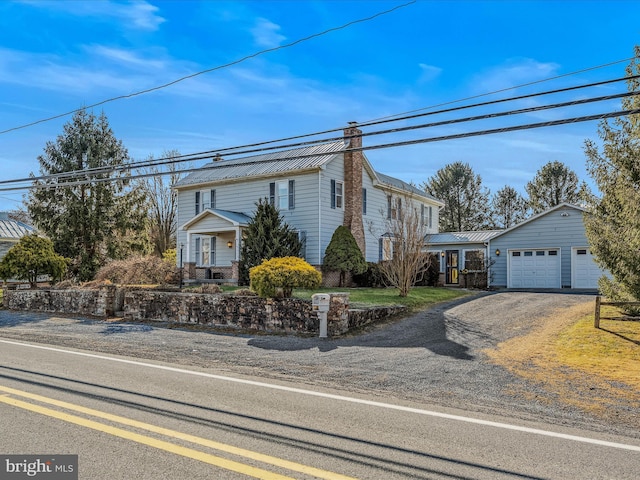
<point>508,88</point>
<point>209,70</point>
<point>237,150</point>
<point>529,126</point>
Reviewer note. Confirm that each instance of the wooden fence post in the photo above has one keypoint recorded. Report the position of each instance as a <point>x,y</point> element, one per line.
<point>596,318</point>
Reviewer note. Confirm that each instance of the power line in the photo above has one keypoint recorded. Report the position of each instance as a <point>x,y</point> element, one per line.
<point>509,88</point>
<point>246,149</point>
<point>209,70</point>
<point>529,126</point>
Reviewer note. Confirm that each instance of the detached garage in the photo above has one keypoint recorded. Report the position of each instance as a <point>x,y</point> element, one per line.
<point>549,250</point>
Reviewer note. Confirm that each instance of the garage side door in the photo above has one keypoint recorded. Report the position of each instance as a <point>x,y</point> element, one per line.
<point>584,271</point>
<point>529,268</point>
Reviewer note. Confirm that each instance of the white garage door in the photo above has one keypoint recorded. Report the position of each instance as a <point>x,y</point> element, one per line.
<point>531,268</point>
<point>584,271</point>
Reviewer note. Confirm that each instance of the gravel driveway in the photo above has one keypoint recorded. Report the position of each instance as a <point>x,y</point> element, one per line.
<point>434,356</point>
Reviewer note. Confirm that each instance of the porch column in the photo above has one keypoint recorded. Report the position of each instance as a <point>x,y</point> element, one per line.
<point>238,243</point>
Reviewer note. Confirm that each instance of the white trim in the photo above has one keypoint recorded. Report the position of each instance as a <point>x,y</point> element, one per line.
<point>509,256</point>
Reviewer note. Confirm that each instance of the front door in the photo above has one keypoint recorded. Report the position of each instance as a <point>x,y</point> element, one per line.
<point>452,267</point>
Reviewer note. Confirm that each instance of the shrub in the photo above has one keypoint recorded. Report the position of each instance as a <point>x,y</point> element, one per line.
<point>140,270</point>
<point>371,278</point>
<point>208,288</point>
<point>343,254</point>
<point>431,272</point>
<point>30,258</point>
<point>617,293</point>
<point>279,276</point>
<point>244,292</point>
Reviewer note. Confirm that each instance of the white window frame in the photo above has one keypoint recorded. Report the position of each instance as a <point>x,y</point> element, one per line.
<point>339,194</point>
<point>205,250</point>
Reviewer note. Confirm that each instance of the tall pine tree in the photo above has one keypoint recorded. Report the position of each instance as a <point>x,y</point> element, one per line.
<point>553,184</point>
<point>613,225</point>
<point>267,236</point>
<point>90,215</point>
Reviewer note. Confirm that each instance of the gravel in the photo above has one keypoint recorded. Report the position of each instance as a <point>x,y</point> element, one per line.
<point>433,357</point>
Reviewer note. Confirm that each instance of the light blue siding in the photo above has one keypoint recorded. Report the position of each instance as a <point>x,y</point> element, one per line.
<point>561,228</point>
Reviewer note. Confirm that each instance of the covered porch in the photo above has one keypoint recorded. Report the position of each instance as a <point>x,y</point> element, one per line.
<point>212,248</point>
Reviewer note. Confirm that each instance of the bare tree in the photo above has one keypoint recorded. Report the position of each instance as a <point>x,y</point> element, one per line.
<point>404,258</point>
<point>162,203</point>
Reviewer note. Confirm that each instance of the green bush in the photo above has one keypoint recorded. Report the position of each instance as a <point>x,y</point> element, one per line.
<point>371,278</point>
<point>32,257</point>
<point>617,293</point>
<point>279,276</point>
<point>343,254</point>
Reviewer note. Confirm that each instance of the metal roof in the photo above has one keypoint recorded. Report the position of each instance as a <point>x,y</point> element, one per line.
<point>304,158</point>
<point>394,182</point>
<point>12,229</point>
<point>462,237</point>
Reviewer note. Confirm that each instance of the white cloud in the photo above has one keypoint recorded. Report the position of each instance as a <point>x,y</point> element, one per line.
<point>126,57</point>
<point>137,14</point>
<point>514,72</point>
<point>265,33</point>
<point>428,72</point>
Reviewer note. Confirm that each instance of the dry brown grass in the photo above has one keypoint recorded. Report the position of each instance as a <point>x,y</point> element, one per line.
<point>571,361</point>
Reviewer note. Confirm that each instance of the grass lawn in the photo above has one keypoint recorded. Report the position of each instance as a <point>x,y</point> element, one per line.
<point>577,363</point>
<point>418,298</point>
<point>612,351</point>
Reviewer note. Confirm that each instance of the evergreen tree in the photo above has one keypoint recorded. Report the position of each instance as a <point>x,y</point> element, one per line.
<point>613,225</point>
<point>266,236</point>
<point>466,200</point>
<point>90,214</point>
<point>508,208</point>
<point>554,183</point>
<point>343,254</point>
<point>30,258</point>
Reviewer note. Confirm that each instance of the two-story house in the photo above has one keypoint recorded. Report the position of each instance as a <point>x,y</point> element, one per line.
<point>316,188</point>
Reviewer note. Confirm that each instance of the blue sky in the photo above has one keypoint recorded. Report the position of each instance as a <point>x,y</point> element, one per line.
<point>56,56</point>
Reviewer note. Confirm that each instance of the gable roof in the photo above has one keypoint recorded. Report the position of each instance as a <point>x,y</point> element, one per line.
<point>268,164</point>
<point>542,214</point>
<point>278,163</point>
<point>12,229</point>
<point>237,219</point>
<point>397,184</point>
<point>461,237</point>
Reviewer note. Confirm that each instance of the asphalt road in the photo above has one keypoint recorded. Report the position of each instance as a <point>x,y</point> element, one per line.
<point>127,418</point>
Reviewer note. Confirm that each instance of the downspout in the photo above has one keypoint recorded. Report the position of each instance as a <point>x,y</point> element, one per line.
<point>488,247</point>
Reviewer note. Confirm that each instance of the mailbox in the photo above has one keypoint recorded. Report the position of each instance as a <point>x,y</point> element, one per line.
<point>320,302</point>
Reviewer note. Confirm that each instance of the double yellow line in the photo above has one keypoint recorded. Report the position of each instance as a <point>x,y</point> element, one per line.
<point>8,398</point>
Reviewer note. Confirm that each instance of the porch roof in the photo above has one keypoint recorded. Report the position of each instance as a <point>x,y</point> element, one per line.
<point>236,219</point>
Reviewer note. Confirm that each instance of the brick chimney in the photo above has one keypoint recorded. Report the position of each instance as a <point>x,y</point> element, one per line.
<point>353,163</point>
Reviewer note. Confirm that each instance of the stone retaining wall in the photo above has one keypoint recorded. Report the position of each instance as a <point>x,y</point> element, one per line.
<point>94,303</point>
<point>289,315</point>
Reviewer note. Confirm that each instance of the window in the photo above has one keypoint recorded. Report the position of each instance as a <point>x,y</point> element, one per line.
<point>336,194</point>
<point>422,208</point>
<point>205,199</point>
<point>430,217</point>
<point>282,194</point>
<point>394,209</point>
<point>205,251</point>
<point>385,249</point>
<point>553,252</point>
<point>515,254</point>
<point>582,252</point>
<point>474,260</point>
<point>528,254</point>
<point>540,253</point>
